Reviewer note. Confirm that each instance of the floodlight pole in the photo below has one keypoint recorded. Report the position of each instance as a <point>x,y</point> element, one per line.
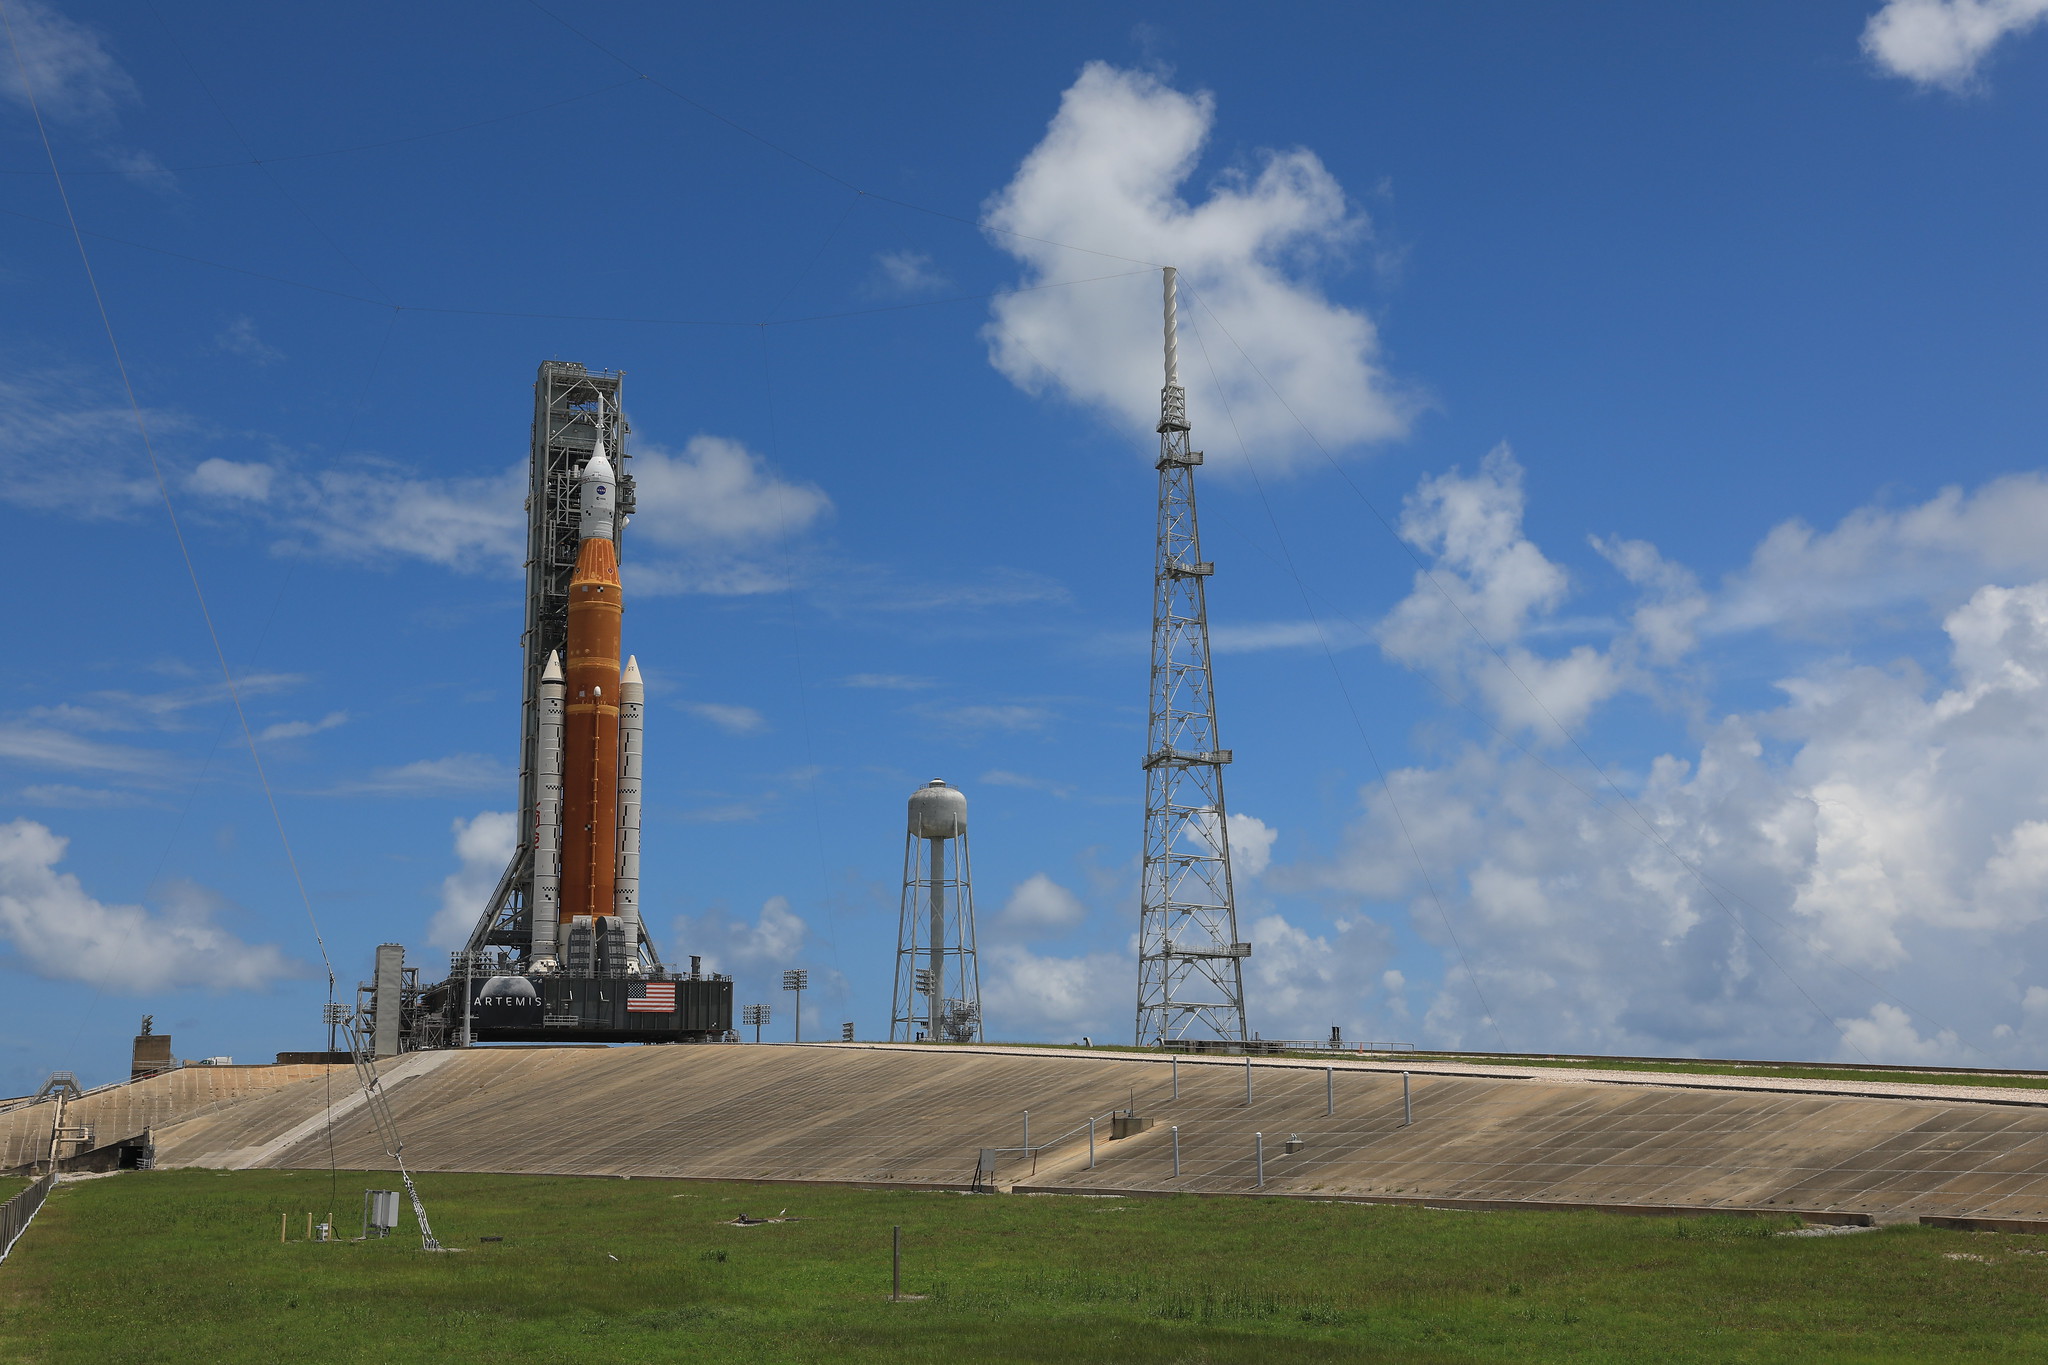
<point>796,981</point>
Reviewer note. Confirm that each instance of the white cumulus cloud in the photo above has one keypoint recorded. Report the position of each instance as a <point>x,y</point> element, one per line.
<point>774,940</point>
<point>483,848</point>
<point>73,76</point>
<point>1943,42</point>
<point>1251,844</point>
<point>58,930</point>
<point>1032,995</point>
<point>1298,983</point>
<point>1859,869</point>
<point>238,336</point>
<point>299,729</point>
<point>1039,907</point>
<point>1934,553</point>
<point>231,480</point>
<point>1465,617</point>
<point>906,273</point>
<point>378,511</point>
<point>717,491</point>
<point>429,777</point>
<point>734,720</point>
<point>1110,176</point>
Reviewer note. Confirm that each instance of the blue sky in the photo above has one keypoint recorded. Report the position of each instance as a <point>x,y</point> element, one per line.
<point>1693,353</point>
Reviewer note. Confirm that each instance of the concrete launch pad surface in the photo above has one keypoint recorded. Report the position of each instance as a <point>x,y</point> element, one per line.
<point>919,1116</point>
<point>117,1112</point>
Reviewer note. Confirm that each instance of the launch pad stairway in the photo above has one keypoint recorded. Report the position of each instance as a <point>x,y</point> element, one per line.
<point>920,1116</point>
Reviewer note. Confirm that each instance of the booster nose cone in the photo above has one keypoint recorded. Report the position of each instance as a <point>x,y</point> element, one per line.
<point>597,491</point>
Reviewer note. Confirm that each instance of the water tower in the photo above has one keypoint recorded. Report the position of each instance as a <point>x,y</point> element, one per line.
<point>938,978</point>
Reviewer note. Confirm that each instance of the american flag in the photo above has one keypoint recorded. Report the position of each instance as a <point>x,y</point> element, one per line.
<point>652,997</point>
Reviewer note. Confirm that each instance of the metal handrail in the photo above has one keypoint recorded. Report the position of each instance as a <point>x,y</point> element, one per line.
<point>1086,1125</point>
<point>1258,1046</point>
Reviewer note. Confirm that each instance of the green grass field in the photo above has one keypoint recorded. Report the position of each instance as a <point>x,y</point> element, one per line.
<point>186,1266</point>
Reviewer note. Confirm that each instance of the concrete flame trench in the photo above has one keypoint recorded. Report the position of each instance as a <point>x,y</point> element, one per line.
<point>919,1116</point>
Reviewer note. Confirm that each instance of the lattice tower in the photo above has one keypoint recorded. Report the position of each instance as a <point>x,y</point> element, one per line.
<point>1190,959</point>
<point>572,408</point>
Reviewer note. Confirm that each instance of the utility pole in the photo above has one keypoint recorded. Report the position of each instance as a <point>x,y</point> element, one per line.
<point>1190,959</point>
<point>796,981</point>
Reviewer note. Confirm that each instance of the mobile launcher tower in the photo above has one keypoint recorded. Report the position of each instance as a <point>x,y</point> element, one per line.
<point>560,952</point>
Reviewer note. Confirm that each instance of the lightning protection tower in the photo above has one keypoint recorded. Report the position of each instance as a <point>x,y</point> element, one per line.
<point>1190,959</point>
<point>938,977</point>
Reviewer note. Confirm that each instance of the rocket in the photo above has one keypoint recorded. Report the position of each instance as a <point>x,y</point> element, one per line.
<point>597,874</point>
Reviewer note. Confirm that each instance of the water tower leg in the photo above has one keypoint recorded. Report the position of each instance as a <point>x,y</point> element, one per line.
<point>938,871</point>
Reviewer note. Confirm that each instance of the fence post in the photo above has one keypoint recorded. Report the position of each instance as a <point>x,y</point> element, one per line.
<point>1247,1078</point>
<point>1027,1130</point>
<point>1407,1105</point>
<point>1176,1151</point>
<point>1091,1142</point>
<point>1176,1078</point>
<point>1259,1156</point>
<point>17,1213</point>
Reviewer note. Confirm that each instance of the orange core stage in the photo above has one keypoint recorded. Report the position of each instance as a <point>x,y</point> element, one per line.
<point>590,740</point>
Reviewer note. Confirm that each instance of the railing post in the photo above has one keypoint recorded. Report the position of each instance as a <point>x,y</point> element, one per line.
<point>1176,1151</point>
<point>1407,1105</point>
<point>17,1213</point>
<point>1091,1142</point>
<point>1027,1130</point>
<point>1329,1091</point>
<point>1259,1157</point>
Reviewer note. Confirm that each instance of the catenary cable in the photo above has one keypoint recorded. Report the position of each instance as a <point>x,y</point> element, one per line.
<point>803,699</point>
<point>1646,826</point>
<point>253,160</point>
<point>567,317</point>
<point>213,750</point>
<point>171,37</point>
<point>372,1086</point>
<point>164,492</point>
<point>813,166</point>
<point>1452,699</point>
<point>1344,690</point>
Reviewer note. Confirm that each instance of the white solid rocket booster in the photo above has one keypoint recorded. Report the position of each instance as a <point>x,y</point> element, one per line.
<point>632,728</point>
<point>547,815</point>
